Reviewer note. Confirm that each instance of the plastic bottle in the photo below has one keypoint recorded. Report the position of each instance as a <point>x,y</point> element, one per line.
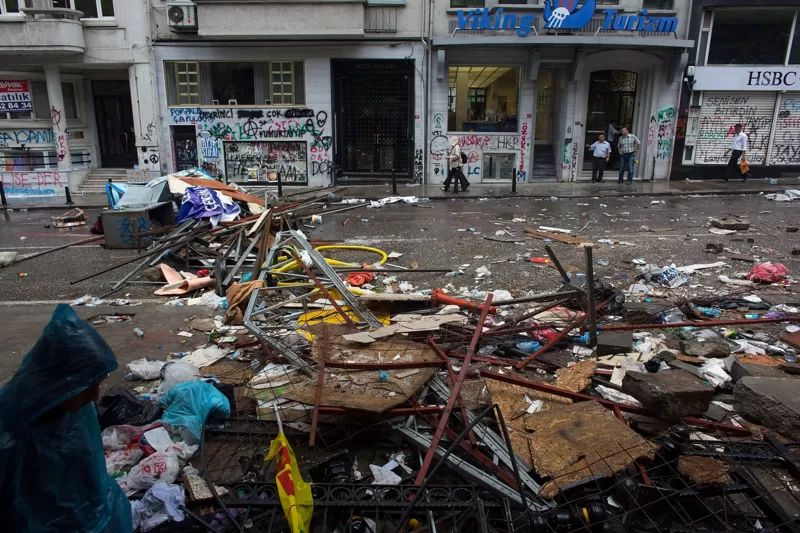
<point>139,332</point>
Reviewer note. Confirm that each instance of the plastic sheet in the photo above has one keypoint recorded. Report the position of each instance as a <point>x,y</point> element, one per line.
<point>119,406</point>
<point>202,202</point>
<point>768,273</point>
<point>51,461</point>
<point>177,372</point>
<point>162,503</point>
<point>189,404</point>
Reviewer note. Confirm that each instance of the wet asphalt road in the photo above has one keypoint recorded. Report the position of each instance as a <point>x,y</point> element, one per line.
<point>439,234</point>
<point>451,235</point>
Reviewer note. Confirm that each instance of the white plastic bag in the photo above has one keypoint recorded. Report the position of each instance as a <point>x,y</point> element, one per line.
<point>158,467</point>
<point>144,369</point>
<point>177,372</point>
<point>118,460</point>
<point>162,503</point>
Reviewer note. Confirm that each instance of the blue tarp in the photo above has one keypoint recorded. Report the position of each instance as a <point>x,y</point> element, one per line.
<point>52,468</point>
<point>189,404</point>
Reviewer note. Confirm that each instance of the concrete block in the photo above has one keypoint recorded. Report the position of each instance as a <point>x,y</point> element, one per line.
<point>740,370</point>
<point>611,342</point>
<point>729,223</point>
<point>706,348</point>
<point>669,393</point>
<point>771,402</point>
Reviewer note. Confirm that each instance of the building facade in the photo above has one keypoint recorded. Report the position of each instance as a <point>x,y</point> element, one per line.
<point>745,69</point>
<point>332,91</point>
<point>76,94</point>
<point>526,86</point>
<point>320,92</point>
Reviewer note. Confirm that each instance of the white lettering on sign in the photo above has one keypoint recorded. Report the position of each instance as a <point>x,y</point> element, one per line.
<point>746,78</point>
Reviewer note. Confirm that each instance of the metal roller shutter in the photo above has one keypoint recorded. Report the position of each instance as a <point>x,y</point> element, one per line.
<point>720,111</point>
<point>786,137</point>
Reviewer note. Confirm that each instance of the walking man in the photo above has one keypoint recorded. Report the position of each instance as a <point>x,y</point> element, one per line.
<point>738,148</point>
<point>455,160</point>
<point>601,152</point>
<point>628,146</point>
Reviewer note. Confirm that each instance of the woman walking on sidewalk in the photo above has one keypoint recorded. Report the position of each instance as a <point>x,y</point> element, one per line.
<point>455,159</point>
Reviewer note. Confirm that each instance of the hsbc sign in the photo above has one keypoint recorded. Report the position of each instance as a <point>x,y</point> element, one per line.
<point>747,79</point>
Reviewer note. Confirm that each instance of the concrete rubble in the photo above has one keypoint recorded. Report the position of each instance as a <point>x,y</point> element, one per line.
<point>435,407</point>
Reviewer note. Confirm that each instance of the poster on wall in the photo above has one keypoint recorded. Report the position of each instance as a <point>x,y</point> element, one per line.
<point>262,161</point>
<point>15,96</point>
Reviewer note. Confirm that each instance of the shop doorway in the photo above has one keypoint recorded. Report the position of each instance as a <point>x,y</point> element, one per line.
<point>545,107</point>
<point>612,96</point>
<point>114,116</point>
<point>373,119</point>
<point>184,146</point>
<point>549,87</point>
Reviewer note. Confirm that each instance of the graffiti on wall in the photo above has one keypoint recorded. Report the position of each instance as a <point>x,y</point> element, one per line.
<point>569,161</point>
<point>523,141</point>
<point>666,132</point>
<point>786,138</point>
<point>718,114</point>
<point>28,137</point>
<point>296,126</point>
<point>651,131</point>
<point>473,145</point>
<point>21,184</point>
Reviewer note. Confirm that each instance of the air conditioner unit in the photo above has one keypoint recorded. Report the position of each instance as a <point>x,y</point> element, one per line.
<point>182,15</point>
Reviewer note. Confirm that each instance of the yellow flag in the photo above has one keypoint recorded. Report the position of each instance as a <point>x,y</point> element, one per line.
<point>295,493</point>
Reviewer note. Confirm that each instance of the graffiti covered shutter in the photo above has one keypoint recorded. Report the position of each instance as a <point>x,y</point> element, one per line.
<point>786,137</point>
<point>719,111</point>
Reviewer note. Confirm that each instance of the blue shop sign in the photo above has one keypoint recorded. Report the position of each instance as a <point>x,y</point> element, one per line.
<point>563,15</point>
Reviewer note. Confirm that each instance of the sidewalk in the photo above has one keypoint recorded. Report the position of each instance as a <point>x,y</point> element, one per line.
<point>524,190</point>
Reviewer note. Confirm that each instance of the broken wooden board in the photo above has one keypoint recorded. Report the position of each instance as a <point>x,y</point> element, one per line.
<point>227,190</point>
<point>704,471</point>
<point>574,443</point>
<point>558,237</point>
<point>363,389</point>
<point>573,378</point>
<point>792,339</point>
<point>73,217</point>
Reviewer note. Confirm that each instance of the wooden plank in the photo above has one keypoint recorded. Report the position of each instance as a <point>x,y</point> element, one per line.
<point>558,237</point>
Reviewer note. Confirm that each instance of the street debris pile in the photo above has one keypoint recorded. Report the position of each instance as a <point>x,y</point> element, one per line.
<point>328,393</point>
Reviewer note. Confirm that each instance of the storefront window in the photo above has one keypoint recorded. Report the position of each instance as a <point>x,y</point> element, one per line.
<point>485,98</point>
<point>745,37</point>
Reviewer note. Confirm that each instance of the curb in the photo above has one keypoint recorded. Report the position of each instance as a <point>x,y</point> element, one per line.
<point>476,196</point>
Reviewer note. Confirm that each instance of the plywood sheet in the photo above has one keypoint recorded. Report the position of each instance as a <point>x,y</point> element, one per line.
<point>573,443</point>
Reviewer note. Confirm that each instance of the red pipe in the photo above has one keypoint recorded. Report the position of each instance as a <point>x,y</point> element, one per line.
<point>454,394</point>
<point>438,297</point>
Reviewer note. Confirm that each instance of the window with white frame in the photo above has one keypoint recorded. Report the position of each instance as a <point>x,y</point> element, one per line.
<point>281,82</point>
<point>223,83</point>
<point>92,9</point>
<point>10,6</point>
<point>187,82</point>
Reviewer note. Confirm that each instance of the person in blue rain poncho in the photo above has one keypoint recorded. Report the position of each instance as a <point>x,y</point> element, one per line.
<point>52,467</point>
